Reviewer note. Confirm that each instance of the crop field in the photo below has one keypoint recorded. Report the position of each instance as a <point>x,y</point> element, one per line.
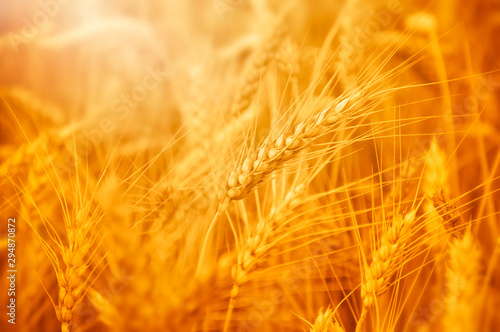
<point>250,165</point>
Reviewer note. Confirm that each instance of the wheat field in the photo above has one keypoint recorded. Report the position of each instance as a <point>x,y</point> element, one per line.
<point>250,165</point>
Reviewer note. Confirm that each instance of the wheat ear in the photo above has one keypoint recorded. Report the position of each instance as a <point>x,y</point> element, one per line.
<point>325,322</point>
<point>435,183</point>
<point>71,278</point>
<point>462,284</point>
<point>260,62</point>
<point>436,173</point>
<point>258,244</point>
<point>273,153</point>
<point>446,208</point>
<point>386,261</point>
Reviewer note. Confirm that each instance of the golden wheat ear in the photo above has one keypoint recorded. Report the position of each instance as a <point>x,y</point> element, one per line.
<point>259,65</point>
<point>447,209</point>
<point>271,156</point>
<point>463,281</point>
<point>325,322</point>
<point>258,243</point>
<point>386,261</point>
